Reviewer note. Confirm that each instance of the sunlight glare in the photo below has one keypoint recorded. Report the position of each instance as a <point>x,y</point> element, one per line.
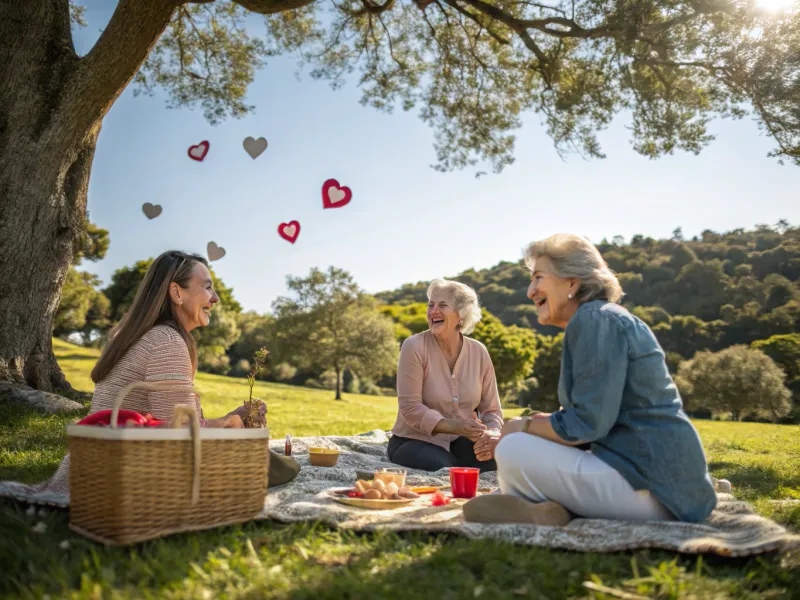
<point>775,5</point>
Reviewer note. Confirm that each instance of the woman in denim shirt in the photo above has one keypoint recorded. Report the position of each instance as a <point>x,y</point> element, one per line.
<point>645,459</point>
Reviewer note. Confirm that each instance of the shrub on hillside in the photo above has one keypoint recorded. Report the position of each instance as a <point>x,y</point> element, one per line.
<point>351,382</point>
<point>784,350</point>
<point>327,379</point>
<point>527,394</point>
<point>311,382</point>
<point>738,381</point>
<point>546,370</point>
<point>283,371</point>
<point>673,360</point>
<point>367,386</point>
<point>240,369</point>
<point>212,359</point>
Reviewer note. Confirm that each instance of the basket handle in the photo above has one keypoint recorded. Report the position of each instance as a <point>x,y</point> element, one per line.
<point>145,385</point>
<point>191,413</point>
<point>179,410</point>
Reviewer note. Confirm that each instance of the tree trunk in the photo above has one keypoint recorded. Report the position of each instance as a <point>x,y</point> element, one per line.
<point>338,383</point>
<point>44,207</point>
<point>52,103</point>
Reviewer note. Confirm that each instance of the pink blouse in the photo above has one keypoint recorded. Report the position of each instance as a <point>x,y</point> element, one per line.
<point>428,392</point>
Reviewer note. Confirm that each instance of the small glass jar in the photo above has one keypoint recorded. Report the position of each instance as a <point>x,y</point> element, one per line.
<point>398,476</point>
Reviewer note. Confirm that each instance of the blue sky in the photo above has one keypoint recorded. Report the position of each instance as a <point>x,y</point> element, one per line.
<point>406,222</point>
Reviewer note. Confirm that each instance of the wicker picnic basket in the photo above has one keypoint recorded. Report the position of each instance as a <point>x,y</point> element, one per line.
<point>128,485</point>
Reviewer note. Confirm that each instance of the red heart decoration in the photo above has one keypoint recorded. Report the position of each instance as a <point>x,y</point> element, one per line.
<point>289,231</point>
<point>334,195</point>
<point>199,151</point>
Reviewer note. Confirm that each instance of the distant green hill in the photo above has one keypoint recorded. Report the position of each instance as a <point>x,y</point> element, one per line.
<point>709,292</point>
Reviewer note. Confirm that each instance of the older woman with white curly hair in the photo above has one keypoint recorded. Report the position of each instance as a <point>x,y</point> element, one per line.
<point>443,379</point>
<point>644,460</point>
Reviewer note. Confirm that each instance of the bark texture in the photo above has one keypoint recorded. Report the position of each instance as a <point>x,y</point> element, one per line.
<point>52,103</point>
<point>42,401</point>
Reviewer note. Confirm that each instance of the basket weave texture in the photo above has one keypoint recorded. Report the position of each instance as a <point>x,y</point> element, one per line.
<point>124,491</point>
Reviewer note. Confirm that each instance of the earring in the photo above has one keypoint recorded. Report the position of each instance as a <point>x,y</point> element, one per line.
<point>569,296</point>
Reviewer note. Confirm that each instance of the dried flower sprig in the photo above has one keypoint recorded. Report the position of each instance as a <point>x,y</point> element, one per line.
<point>259,360</point>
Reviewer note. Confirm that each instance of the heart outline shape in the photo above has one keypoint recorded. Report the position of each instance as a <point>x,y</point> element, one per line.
<point>199,151</point>
<point>289,231</point>
<point>151,211</point>
<point>214,252</point>
<point>335,195</point>
<point>253,147</point>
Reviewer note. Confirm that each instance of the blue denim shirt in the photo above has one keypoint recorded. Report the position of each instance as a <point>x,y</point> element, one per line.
<point>616,392</point>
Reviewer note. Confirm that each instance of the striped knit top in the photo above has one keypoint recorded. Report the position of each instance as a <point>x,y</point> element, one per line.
<point>160,355</point>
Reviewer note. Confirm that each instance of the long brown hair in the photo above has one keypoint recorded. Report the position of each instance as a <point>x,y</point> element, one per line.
<point>151,307</point>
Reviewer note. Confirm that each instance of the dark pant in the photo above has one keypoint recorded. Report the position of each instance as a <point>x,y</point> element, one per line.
<point>415,454</point>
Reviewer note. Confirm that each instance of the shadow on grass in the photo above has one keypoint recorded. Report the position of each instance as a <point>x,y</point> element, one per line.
<point>310,561</point>
<point>37,564</point>
<point>76,357</point>
<point>460,568</point>
<point>763,480</point>
<point>714,466</point>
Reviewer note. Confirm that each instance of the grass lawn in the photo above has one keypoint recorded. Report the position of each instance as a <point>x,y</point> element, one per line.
<point>268,560</point>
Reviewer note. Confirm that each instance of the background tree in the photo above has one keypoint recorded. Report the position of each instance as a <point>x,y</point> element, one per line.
<point>83,308</point>
<point>473,66</point>
<point>512,350</point>
<point>409,318</point>
<point>214,340</point>
<point>546,370</point>
<point>739,381</point>
<point>784,350</point>
<point>331,324</point>
<point>254,333</point>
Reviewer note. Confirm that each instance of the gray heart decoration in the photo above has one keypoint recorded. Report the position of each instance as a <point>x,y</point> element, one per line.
<point>254,147</point>
<point>214,252</point>
<point>151,211</point>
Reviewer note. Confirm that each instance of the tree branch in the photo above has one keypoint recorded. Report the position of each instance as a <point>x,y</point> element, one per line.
<point>542,6</point>
<point>499,38</point>
<point>657,28</point>
<point>123,46</point>
<point>271,7</point>
<point>518,25</point>
<point>726,74</point>
<point>399,63</point>
<point>373,8</point>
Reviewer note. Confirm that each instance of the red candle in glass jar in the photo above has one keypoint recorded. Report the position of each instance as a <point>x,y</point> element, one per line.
<point>464,482</point>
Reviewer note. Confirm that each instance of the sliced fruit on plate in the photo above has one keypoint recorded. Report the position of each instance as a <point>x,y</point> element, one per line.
<point>424,489</point>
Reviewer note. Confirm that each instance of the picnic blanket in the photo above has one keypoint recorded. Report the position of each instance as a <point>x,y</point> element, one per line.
<point>733,529</point>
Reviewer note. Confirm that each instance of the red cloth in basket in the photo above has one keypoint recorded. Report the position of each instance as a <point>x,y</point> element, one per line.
<point>103,418</point>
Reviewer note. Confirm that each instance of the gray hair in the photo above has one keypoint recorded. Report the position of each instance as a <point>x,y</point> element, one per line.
<point>573,256</point>
<point>465,301</point>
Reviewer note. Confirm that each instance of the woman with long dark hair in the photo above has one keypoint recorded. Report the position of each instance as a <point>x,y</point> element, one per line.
<point>152,343</point>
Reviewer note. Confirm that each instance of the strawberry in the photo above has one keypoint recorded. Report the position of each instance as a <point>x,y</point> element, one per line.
<point>439,499</point>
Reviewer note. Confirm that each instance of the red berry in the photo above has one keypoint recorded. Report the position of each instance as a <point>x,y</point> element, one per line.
<point>439,499</point>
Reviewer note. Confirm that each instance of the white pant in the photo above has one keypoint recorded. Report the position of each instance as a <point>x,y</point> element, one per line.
<point>537,469</point>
